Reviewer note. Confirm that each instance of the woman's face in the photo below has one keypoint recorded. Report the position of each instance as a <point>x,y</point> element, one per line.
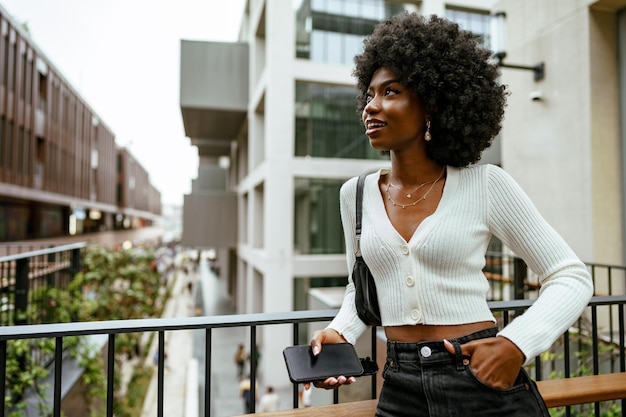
<point>394,115</point>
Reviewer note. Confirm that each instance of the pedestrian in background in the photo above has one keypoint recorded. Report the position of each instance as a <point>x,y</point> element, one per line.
<point>245,386</point>
<point>244,393</point>
<point>155,358</point>
<point>306,396</point>
<point>269,401</point>
<point>240,360</point>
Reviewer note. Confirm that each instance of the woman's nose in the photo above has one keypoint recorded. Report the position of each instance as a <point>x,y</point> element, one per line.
<point>372,106</point>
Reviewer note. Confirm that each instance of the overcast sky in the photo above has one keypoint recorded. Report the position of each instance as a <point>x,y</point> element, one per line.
<point>123,57</point>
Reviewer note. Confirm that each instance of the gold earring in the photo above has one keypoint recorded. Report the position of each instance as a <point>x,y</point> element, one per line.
<point>427,135</point>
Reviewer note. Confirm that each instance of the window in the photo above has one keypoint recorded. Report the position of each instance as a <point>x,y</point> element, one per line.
<point>317,221</point>
<point>23,68</point>
<point>3,142</point>
<point>20,150</point>
<point>9,146</point>
<point>332,31</point>
<point>43,91</point>
<point>28,81</point>
<point>4,51</point>
<point>327,124</point>
<point>477,22</point>
<point>12,66</point>
<point>27,153</point>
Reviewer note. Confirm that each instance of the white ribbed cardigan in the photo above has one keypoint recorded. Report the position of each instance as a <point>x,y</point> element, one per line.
<point>436,278</point>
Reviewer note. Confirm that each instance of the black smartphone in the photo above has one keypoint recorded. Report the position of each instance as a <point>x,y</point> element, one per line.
<point>334,360</point>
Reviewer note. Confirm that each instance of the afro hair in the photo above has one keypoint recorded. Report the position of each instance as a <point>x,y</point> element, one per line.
<point>451,73</point>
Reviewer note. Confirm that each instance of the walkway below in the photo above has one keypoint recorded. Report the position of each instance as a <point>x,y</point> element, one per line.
<point>212,300</point>
<point>178,347</point>
<point>187,348</point>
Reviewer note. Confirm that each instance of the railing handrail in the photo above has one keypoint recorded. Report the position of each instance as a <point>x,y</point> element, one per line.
<point>162,324</point>
<point>495,254</point>
<point>234,320</point>
<point>40,252</point>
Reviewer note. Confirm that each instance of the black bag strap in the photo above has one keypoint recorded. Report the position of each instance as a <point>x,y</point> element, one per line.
<point>359,204</point>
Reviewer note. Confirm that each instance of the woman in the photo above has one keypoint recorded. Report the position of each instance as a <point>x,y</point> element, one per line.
<point>429,96</point>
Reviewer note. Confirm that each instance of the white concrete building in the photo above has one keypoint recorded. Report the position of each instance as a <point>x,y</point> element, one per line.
<point>279,106</point>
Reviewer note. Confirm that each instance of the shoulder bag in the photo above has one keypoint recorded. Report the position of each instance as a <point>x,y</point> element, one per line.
<point>366,297</point>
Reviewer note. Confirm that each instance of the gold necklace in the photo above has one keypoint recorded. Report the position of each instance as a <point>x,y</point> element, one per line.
<point>422,198</point>
<point>408,195</point>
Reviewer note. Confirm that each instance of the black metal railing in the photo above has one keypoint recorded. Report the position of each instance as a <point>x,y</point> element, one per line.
<point>510,278</point>
<point>595,343</point>
<point>28,267</point>
<point>588,336</point>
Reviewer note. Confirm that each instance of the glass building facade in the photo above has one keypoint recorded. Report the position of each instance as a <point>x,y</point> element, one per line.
<point>327,125</point>
<point>317,223</point>
<point>332,31</point>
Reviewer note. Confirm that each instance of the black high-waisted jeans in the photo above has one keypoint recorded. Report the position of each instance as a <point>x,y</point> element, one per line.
<point>425,380</point>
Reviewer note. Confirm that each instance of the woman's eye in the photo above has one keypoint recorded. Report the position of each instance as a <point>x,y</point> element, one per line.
<point>390,90</point>
<point>368,97</point>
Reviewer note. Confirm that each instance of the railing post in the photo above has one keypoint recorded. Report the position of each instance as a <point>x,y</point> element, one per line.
<point>160,372</point>
<point>110,374</point>
<point>3,376</point>
<point>50,281</point>
<point>58,371</point>
<point>207,371</point>
<point>76,265</point>
<point>519,277</point>
<point>21,291</point>
<point>253,366</point>
<point>21,309</point>
<point>375,359</point>
<point>296,387</point>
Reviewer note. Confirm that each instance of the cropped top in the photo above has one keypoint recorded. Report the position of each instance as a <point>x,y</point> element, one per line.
<point>437,278</point>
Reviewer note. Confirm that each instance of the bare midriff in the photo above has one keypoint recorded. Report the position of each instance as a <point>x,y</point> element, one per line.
<point>423,332</point>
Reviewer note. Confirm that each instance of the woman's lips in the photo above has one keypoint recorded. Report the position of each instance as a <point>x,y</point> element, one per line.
<point>372,127</point>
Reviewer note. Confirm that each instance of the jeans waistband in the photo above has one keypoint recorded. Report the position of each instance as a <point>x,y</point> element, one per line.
<point>431,351</point>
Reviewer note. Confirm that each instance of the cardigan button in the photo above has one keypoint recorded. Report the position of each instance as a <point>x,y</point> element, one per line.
<point>405,249</point>
<point>415,314</point>
<point>410,281</point>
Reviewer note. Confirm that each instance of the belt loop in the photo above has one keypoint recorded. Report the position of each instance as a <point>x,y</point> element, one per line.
<point>392,359</point>
<point>458,355</point>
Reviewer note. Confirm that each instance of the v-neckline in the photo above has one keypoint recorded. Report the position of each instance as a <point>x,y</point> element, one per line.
<point>424,228</point>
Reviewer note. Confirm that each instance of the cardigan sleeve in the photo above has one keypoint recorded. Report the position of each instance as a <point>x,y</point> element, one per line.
<point>566,285</point>
<point>347,322</point>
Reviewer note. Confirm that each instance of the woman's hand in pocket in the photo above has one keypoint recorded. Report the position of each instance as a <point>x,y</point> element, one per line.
<point>496,361</point>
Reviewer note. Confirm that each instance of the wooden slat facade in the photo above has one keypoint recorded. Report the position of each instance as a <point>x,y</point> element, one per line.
<point>55,151</point>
